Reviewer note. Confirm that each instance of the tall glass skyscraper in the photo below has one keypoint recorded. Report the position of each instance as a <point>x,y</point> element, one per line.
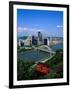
<point>40,40</point>
<point>40,36</point>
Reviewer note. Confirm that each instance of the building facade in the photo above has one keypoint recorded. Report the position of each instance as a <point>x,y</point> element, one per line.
<point>34,40</point>
<point>40,39</point>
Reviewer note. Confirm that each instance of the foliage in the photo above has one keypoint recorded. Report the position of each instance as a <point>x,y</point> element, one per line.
<point>23,70</point>
<point>53,75</point>
<point>55,64</point>
<point>54,61</point>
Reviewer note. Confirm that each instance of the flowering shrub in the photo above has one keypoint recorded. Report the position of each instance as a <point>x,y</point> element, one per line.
<point>42,69</point>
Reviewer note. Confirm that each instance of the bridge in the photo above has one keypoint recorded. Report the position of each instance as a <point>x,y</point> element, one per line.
<point>46,48</point>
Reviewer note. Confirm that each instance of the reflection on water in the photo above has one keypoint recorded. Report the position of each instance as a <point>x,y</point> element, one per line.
<point>57,46</point>
<point>33,55</point>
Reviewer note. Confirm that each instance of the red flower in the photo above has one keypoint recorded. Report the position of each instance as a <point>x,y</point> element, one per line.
<point>42,69</point>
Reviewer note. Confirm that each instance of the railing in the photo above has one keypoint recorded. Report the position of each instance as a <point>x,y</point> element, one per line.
<point>45,48</point>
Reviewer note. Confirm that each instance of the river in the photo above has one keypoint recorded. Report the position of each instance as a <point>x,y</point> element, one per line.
<point>34,55</point>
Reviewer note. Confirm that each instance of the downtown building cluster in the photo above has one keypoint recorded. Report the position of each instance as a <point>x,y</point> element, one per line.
<point>34,40</point>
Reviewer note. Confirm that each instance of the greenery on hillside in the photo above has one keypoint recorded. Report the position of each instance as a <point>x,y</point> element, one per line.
<point>55,64</point>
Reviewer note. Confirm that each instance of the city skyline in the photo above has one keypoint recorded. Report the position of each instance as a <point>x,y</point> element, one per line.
<point>49,23</point>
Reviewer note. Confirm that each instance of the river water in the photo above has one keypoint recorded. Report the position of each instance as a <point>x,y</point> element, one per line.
<point>57,46</point>
<point>34,55</point>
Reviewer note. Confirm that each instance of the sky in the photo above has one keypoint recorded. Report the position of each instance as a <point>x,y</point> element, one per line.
<point>30,22</point>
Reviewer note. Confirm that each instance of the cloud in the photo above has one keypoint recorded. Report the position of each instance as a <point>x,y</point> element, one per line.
<point>20,30</point>
<point>25,29</point>
<point>30,31</point>
<point>34,29</point>
<point>59,26</point>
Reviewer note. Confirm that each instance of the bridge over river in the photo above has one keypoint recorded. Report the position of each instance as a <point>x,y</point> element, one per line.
<point>45,48</point>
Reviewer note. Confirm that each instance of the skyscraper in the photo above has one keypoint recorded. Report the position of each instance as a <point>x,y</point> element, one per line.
<point>34,40</point>
<point>46,41</point>
<point>40,40</point>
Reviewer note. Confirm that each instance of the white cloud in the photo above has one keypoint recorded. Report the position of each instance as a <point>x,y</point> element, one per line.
<point>25,29</point>
<point>34,30</point>
<point>59,26</point>
<point>29,31</point>
<point>21,29</point>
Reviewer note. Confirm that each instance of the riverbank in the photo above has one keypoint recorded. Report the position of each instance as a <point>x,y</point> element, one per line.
<point>55,64</point>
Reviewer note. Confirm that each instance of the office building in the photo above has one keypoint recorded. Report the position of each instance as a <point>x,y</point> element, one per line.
<point>34,40</point>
